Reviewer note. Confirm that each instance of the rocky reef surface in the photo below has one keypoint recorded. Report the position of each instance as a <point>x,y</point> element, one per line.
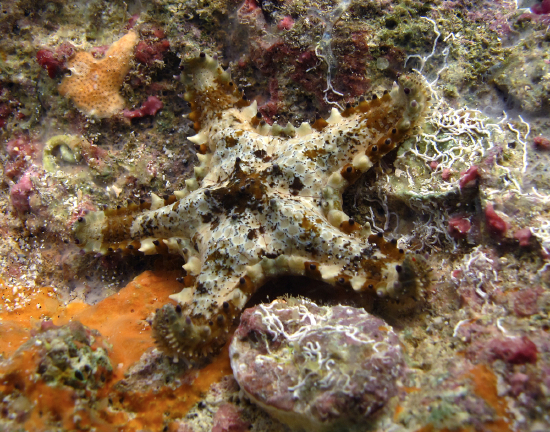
<point>96,108</point>
<point>316,368</point>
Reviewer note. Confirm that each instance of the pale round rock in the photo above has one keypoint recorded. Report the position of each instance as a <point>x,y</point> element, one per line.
<point>316,368</point>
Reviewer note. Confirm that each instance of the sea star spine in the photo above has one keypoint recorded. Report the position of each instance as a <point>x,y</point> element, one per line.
<point>264,201</point>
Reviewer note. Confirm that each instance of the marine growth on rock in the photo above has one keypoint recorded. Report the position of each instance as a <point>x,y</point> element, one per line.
<point>316,368</point>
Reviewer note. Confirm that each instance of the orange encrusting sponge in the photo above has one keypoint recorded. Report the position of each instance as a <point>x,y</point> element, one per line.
<point>120,319</point>
<point>94,84</point>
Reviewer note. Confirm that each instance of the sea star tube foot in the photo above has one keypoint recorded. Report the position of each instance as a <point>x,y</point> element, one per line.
<point>265,201</point>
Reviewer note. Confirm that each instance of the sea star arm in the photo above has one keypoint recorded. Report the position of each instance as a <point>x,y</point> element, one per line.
<point>348,144</point>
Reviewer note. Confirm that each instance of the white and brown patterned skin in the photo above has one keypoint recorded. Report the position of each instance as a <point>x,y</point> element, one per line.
<point>264,201</point>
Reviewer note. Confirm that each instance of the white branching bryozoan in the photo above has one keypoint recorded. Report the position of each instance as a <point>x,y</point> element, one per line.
<point>323,50</point>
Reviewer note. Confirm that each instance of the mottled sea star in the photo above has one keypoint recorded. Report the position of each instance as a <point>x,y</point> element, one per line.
<point>265,201</point>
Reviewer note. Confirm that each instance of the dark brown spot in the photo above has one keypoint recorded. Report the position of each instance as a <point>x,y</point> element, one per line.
<point>260,154</point>
<point>297,184</point>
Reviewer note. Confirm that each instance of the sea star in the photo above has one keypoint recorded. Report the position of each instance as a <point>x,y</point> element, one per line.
<point>264,201</point>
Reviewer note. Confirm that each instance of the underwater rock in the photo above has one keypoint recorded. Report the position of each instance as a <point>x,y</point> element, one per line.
<point>482,63</point>
<point>524,77</point>
<point>54,379</point>
<point>315,367</point>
